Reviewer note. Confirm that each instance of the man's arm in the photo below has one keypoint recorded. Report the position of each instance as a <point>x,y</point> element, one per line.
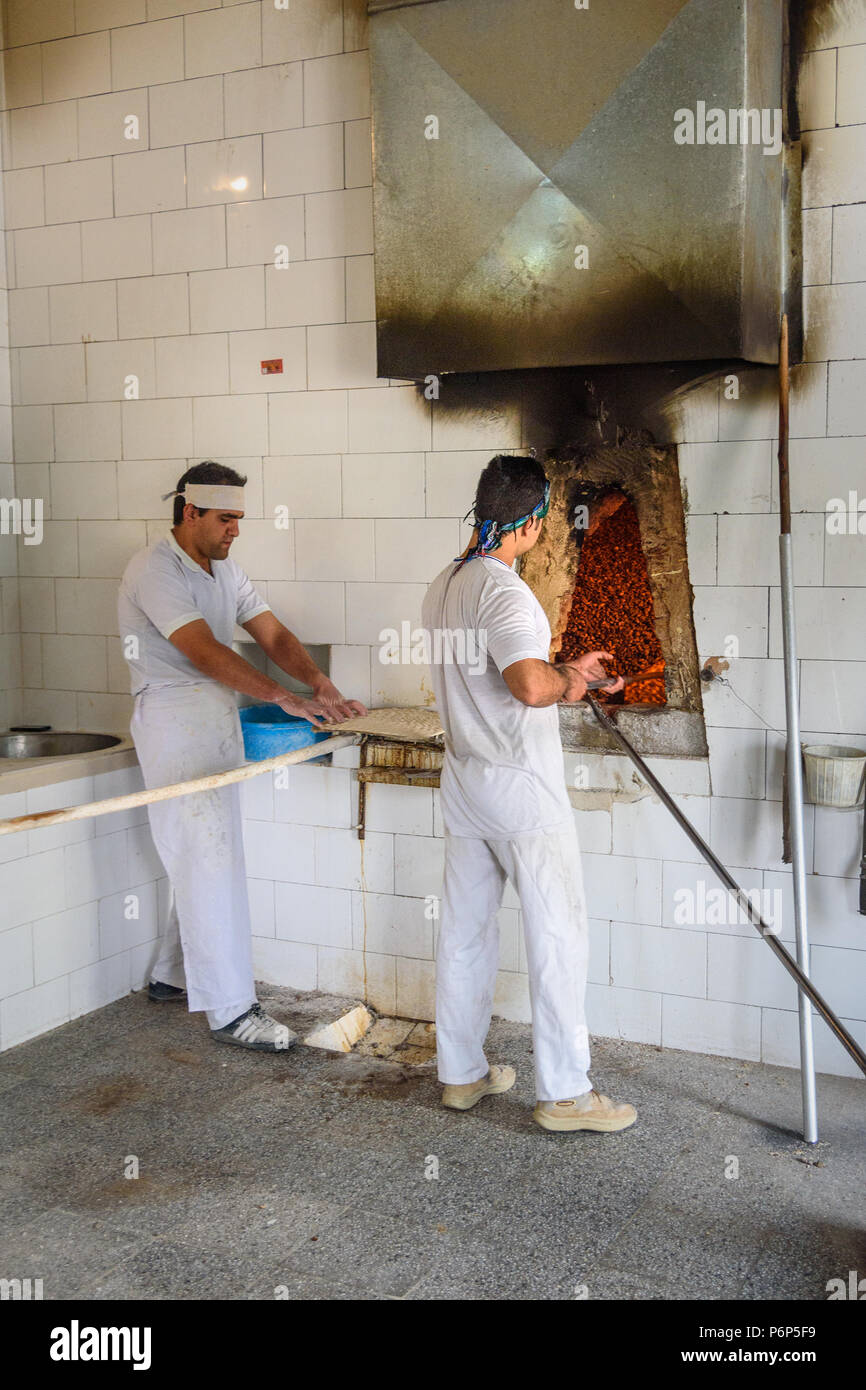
<point>218,661</point>
<point>538,683</point>
<point>283,648</point>
<point>285,651</point>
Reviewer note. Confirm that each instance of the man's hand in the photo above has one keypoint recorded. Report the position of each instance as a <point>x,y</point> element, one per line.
<point>588,668</point>
<point>326,694</point>
<point>299,708</point>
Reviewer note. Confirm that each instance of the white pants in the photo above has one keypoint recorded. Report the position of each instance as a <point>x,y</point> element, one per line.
<point>180,733</point>
<point>546,872</point>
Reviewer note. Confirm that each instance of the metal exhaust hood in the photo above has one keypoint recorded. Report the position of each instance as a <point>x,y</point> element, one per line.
<point>556,185</point>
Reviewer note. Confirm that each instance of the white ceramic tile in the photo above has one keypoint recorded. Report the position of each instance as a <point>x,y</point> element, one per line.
<point>313,611</point>
<point>23,193</point>
<point>223,40</point>
<point>110,367</point>
<point>306,292</point>
<point>45,135</point>
<point>249,350</point>
<point>817,245</point>
<point>79,490</point>
<point>834,166</point>
<point>190,240</point>
<point>195,366</point>
<point>184,113</point>
<point>337,88</point>
<point>334,549</point>
<point>310,423</point>
<point>258,232</point>
<point>307,29</point>
<point>230,426</point>
<point>264,99</point>
<point>48,255</point>
<point>303,160</point>
<point>105,127</point>
<point>340,224</point>
<point>706,1025</point>
<point>226,300</point>
<point>157,429</point>
<point>51,374</point>
<point>147,54</point>
<point>23,75</point>
<point>78,191</point>
<point>28,316</point>
<point>116,248</point>
<point>319,916</point>
<point>224,171</point>
<point>658,959</point>
<point>816,90</point>
<point>90,431</point>
<point>85,312</point>
<point>851,90</point>
<point>382,485</point>
<point>372,608</point>
<point>849,243</point>
<point>153,181</point>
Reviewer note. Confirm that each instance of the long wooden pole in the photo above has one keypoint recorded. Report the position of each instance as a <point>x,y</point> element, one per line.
<point>199,784</point>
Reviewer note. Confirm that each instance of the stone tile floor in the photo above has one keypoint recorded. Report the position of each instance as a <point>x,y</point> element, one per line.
<point>331,1177</point>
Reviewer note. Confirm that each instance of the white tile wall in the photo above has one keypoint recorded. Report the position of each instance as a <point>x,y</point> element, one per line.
<point>147,249</point>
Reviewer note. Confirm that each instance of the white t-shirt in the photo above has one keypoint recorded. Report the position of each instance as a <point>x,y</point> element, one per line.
<point>163,589</point>
<point>503,772</point>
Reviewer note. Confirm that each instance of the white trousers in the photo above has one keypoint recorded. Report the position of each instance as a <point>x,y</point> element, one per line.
<point>546,873</point>
<point>180,733</point>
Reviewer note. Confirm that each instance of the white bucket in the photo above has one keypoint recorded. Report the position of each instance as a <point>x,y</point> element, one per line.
<point>834,774</point>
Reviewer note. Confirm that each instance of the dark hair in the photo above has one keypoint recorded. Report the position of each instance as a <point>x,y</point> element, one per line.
<point>508,488</point>
<point>207,472</point>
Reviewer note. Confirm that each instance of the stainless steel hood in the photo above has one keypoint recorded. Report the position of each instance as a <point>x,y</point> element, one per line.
<point>556,130</point>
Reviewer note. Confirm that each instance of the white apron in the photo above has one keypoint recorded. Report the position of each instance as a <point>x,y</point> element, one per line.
<point>181,732</point>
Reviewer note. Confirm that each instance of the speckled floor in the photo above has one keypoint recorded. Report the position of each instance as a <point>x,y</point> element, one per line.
<point>313,1176</point>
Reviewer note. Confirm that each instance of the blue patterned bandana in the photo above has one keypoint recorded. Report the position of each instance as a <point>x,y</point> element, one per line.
<point>490,533</point>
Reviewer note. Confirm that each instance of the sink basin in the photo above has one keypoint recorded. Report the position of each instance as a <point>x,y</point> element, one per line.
<point>53,745</point>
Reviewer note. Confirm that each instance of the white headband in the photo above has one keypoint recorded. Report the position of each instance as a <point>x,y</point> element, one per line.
<point>221,496</point>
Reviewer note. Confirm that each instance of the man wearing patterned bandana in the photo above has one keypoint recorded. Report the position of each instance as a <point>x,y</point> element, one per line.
<point>506,812</point>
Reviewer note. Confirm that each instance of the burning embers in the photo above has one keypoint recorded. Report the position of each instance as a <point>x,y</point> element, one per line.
<point>612,606</point>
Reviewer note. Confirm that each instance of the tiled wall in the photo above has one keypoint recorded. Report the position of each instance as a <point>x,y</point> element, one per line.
<point>144,260</point>
<point>10,642</point>
<point>82,906</point>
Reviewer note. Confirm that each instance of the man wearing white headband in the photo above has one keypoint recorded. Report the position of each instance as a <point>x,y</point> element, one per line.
<point>179,602</point>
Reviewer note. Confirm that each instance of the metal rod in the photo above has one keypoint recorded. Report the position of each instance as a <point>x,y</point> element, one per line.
<point>741,896</point>
<point>793,753</point>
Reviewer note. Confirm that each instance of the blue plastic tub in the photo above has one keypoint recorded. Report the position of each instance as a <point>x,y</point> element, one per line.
<point>269,731</point>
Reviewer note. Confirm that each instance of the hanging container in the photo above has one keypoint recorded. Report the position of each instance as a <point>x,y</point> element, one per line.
<point>834,774</point>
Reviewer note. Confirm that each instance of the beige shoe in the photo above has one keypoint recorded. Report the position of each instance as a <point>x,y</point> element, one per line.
<point>497,1080</point>
<point>589,1111</point>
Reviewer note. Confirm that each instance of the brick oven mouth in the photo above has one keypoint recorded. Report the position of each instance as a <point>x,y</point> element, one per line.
<point>611,572</point>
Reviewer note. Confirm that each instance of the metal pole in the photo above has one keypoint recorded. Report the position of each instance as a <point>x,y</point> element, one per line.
<point>793,754</point>
<point>743,899</point>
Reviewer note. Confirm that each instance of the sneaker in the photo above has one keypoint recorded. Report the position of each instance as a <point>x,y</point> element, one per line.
<point>257,1030</point>
<point>497,1080</point>
<point>589,1111</point>
<point>159,993</point>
